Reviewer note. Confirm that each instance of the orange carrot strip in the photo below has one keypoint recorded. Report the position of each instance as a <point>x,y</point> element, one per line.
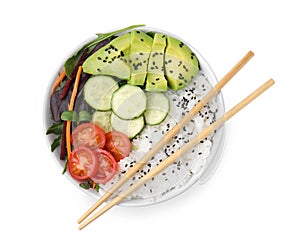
<point>71,106</point>
<point>68,138</point>
<point>75,89</point>
<point>58,81</point>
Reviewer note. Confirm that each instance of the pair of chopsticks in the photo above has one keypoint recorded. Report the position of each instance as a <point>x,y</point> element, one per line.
<point>84,220</point>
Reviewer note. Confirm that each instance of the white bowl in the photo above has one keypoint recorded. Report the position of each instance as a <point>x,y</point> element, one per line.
<point>201,176</point>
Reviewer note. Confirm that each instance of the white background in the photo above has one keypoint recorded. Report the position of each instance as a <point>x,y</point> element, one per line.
<point>251,202</point>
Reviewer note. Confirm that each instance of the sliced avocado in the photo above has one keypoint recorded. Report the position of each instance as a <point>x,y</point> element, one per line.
<point>110,59</point>
<point>156,80</point>
<point>140,49</point>
<point>181,64</point>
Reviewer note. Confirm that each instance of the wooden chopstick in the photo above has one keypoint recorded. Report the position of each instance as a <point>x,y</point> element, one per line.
<point>180,151</point>
<point>170,134</point>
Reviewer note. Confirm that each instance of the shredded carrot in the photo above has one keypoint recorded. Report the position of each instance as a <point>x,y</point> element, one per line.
<point>58,81</point>
<point>75,89</point>
<point>68,138</point>
<point>71,106</point>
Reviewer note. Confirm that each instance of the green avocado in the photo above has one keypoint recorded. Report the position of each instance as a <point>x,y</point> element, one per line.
<point>140,49</point>
<point>181,64</point>
<point>110,59</point>
<point>156,80</point>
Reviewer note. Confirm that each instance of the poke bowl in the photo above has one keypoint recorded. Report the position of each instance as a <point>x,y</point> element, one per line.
<point>132,86</point>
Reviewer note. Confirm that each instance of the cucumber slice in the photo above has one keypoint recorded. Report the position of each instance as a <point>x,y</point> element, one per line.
<point>157,109</point>
<point>129,127</point>
<point>98,92</point>
<point>129,102</point>
<point>102,119</point>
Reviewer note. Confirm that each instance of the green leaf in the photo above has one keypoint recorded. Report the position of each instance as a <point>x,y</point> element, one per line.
<point>65,167</point>
<point>84,115</point>
<point>69,116</point>
<point>103,36</point>
<point>97,187</point>
<point>85,185</point>
<point>73,60</point>
<point>55,128</point>
<point>56,143</point>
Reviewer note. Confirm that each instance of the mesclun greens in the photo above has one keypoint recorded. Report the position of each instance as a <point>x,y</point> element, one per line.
<point>89,184</point>
<point>57,129</point>
<point>73,60</point>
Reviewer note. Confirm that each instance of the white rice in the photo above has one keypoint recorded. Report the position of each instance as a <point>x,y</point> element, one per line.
<point>177,174</point>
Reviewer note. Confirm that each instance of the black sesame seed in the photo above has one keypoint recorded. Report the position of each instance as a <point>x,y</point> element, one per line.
<point>142,39</point>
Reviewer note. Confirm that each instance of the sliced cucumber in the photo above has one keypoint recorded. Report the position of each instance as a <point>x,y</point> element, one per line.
<point>157,109</point>
<point>129,127</point>
<point>102,119</point>
<point>129,102</point>
<point>98,92</point>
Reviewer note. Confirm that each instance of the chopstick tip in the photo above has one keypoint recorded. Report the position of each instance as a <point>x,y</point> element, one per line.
<point>251,53</point>
<point>271,81</point>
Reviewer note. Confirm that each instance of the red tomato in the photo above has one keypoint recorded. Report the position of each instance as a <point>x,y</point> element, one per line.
<point>117,144</point>
<point>82,163</point>
<point>107,167</point>
<point>88,134</point>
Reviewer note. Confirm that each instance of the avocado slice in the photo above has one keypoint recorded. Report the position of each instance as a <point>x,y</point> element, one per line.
<point>156,80</point>
<point>181,64</point>
<point>140,49</point>
<point>110,59</point>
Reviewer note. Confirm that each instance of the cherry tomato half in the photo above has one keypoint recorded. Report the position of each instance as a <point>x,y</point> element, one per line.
<point>83,163</point>
<point>117,144</point>
<point>88,134</point>
<point>107,167</point>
